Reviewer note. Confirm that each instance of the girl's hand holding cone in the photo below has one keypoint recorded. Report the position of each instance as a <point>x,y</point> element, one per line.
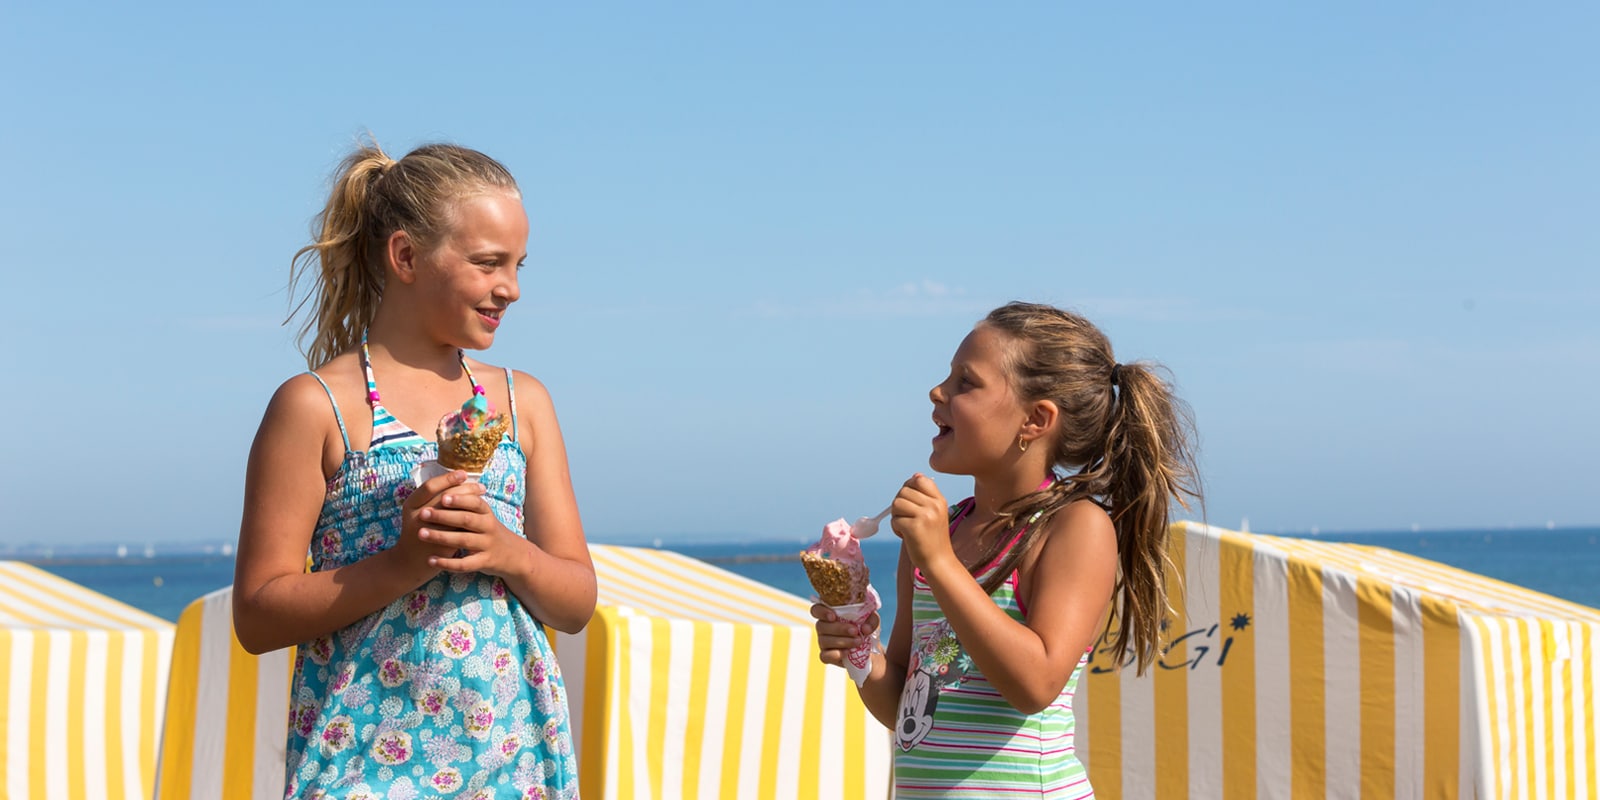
<point>836,637</point>
<point>472,537</point>
<point>414,549</point>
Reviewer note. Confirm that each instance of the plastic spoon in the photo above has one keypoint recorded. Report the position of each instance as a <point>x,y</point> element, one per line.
<point>865,527</point>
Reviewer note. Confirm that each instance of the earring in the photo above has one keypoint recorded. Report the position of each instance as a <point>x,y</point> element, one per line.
<point>1022,444</point>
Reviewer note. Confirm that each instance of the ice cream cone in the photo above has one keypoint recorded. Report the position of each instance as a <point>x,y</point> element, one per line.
<point>837,582</point>
<point>470,450</point>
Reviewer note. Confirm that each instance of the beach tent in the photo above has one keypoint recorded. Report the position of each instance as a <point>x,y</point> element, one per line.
<point>227,711</point>
<point>1304,668</point>
<point>82,679</point>
<point>689,681</point>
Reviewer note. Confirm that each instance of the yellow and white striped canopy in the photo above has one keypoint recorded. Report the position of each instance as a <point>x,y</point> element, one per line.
<point>699,683</point>
<point>1313,669</point>
<point>689,681</point>
<point>82,679</point>
<point>227,711</point>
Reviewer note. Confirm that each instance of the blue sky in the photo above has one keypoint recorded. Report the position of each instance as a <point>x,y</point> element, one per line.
<point>1363,239</point>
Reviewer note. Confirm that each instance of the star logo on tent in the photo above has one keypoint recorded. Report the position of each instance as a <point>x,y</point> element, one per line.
<point>1240,622</point>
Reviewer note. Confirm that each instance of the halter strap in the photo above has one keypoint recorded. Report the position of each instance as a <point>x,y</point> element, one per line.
<point>372,383</point>
<point>387,431</point>
<point>961,509</point>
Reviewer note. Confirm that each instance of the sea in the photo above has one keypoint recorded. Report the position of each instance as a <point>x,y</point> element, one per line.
<point>163,580</point>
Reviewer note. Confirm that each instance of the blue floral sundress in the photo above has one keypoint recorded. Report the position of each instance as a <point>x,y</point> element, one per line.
<point>452,690</point>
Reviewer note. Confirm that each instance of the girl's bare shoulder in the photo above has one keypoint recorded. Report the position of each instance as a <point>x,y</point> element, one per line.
<point>530,388</point>
<point>344,372</point>
<point>1082,531</point>
<point>301,402</point>
<point>1081,518</point>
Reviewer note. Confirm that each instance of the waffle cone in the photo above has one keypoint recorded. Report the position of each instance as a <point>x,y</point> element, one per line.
<point>837,583</point>
<point>471,451</point>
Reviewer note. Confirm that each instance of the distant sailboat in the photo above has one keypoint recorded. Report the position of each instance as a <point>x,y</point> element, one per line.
<point>122,551</point>
<point>1244,525</point>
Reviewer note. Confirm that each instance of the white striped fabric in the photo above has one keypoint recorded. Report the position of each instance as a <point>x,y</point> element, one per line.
<point>689,681</point>
<point>227,711</point>
<point>81,684</point>
<point>1313,669</point>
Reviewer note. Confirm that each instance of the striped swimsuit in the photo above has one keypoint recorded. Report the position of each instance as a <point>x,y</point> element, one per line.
<point>955,736</point>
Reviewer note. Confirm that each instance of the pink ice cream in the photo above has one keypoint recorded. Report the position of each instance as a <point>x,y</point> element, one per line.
<point>839,573</point>
<point>835,566</point>
<point>837,543</point>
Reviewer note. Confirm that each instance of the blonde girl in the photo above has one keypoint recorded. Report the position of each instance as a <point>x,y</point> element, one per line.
<point>1075,461</point>
<point>422,668</point>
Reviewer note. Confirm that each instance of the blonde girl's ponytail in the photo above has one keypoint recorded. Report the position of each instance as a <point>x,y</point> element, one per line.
<point>347,271</point>
<point>1123,441</point>
<point>373,196</point>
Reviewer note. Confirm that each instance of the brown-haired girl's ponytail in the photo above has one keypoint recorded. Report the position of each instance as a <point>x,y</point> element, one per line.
<point>1150,461</point>
<point>1123,441</point>
<point>349,275</point>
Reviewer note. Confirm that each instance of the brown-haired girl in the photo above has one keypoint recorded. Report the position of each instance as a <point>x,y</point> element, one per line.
<point>422,667</point>
<point>1076,460</point>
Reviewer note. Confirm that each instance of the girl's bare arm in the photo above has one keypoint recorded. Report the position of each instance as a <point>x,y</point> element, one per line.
<point>276,603</point>
<point>1068,587</point>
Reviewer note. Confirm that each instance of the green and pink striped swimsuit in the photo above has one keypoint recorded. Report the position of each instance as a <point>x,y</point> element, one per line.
<point>955,736</point>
